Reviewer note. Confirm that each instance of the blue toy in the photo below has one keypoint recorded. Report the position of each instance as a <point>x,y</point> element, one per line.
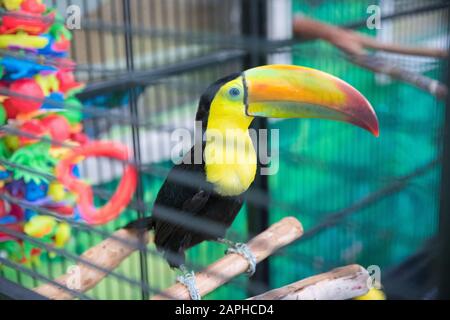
<point>21,68</point>
<point>51,48</point>
<point>54,101</point>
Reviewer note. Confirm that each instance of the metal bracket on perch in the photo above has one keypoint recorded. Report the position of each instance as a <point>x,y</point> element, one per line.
<point>220,272</point>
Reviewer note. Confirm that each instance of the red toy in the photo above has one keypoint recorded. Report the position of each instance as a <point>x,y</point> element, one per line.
<point>28,22</point>
<point>58,127</point>
<point>34,129</point>
<point>29,97</point>
<point>67,82</point>
<point>79,137</point>
<point>124,191</point>
<point>33,6</point>
<point>16,212</point>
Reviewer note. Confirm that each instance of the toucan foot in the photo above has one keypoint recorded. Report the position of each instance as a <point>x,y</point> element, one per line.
<point>188,280</point>
<point>243,250</point>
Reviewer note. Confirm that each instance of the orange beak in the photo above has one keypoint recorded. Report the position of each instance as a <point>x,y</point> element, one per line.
<point>284,91</point>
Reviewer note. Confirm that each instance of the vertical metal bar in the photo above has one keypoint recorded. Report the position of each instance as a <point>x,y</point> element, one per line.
<point>136,140</point>
<point>444,215</point>
<point>254,26</point>
<point>95,123</point>
<point>116,55</point>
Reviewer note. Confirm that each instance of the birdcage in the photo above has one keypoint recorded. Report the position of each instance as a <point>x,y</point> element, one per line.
<point>373,202</point>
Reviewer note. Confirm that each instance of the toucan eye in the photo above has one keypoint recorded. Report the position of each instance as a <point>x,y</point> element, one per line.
<point>234,92</point>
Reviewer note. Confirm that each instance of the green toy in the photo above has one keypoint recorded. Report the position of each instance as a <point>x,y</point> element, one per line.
<point>36,157</point>
<point>3,116</point>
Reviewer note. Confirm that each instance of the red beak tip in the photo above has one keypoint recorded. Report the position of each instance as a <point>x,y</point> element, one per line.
<point>375,130</point>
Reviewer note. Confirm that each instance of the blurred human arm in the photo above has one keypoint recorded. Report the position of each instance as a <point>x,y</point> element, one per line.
<point>354,43</point>
<point>356,47</point>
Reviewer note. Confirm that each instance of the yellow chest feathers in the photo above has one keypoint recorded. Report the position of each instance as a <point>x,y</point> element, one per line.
<point>230,161</point>
<point>230,158</point>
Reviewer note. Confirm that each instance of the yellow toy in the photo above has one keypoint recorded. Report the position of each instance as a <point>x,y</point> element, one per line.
<point>56,191</point>
<point>12,5</point>
<point>373,294</point>
<point>48,230</point>
<point>22,40</point>
<point>48,83</point>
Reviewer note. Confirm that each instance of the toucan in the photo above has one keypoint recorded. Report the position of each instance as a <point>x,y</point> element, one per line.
<point>214,190</point>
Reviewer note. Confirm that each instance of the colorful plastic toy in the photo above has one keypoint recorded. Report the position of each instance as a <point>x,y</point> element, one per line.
<point>53,47</point>
<point>12,5</point>
<point>26,96</point>
<point>48,82</point>
<point>84,193</point>
<point>40,103</point>
<point>57,126</point>
<point>23,21</point>
<point>33,130</point>
<point>11,218</point>
<point>21,68</point>
<point>3,115</point>
<point>33,6</point>
<point>23,41</point>
<point>67,83</point>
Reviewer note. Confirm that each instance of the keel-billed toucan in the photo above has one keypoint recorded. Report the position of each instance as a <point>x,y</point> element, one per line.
<point>274,91</point>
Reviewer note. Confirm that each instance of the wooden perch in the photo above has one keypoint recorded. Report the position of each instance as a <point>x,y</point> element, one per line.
<point>378,65</point>
<point>108,254</point>
<point>338,284</point>
<point>263,245</point>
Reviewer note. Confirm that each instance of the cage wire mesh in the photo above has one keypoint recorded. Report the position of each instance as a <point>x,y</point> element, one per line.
<point>364,200</point>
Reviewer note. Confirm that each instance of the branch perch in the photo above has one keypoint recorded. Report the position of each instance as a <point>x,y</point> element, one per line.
<point>107,254</point>
<point>110,253</point>
<point>355,46</point>
<point>354,43</point>
<point>338,284</point>
<point>379,65</point>
<point>263,245</point>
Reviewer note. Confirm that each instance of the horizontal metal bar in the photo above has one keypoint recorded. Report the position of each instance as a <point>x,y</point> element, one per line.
<point>41,277</point>
<point>398,184</point>
<point>12,291</point>
<point>142,78</point>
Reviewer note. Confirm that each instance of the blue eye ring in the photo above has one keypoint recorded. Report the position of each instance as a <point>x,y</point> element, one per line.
<point>234,92</point>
